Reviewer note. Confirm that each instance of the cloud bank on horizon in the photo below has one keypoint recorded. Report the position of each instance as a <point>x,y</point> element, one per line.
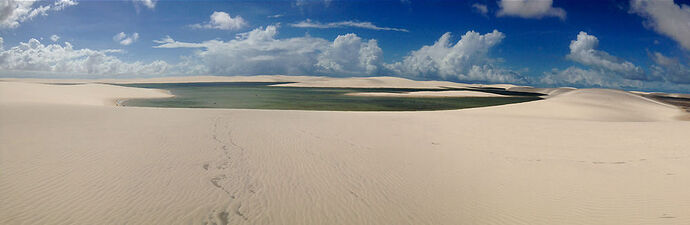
<point>298,39</point>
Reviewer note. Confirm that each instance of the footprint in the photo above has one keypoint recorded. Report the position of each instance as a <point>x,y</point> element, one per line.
<point>216,180</point>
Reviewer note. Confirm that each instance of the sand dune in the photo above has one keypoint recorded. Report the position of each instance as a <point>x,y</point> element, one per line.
<point>429,94</point>
<point>591,104</point>
<point>80,94</point>
<point>578,157</point>
<point>549,92</point>
<point>373,82</point>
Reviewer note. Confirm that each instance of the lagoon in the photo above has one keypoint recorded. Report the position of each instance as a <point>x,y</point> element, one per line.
<point>261,95</point>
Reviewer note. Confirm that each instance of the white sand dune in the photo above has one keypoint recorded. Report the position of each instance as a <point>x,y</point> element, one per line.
<point>428,94</point>
<point>591,104</point>
<point>673,95</point>
<point>579,157</point>
<point>549,92</point>
<point>373,82</point>
<point>79,94</point>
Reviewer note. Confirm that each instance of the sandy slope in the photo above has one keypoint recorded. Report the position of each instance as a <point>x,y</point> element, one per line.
<point>590,104</point>
<point>81,94</point>
<point>576,158</point>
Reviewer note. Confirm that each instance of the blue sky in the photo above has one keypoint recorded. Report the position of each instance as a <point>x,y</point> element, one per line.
<point>631,44</point>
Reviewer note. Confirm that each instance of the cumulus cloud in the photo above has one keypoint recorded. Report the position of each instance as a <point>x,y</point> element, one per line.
<point>574,76</point>
<point>33,56</point>
<point>62,4</point>
<point>13,12</point>
<point>578,77</point>
<point>125,39</point>
<point>666,18</point>
<point>583,50</point>
<point>151,4</point>
<point>531,9</point>
<point>259,52</point>
<point>349,54</point>
<point>670,69</point>
<point>465,60</point>
<point>605,70</point>
<point>480,8</point>
<point>364,25</point>
<point>54,37</point>
<point>222,21</point>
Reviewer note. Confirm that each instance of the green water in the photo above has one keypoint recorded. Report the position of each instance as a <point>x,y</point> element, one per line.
<point>248,95</point>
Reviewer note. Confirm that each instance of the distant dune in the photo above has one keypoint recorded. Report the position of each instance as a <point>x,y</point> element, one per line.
<point>68,155</point>
<point>591,104</point>
<point>373,82</point>
<point>429,94</point>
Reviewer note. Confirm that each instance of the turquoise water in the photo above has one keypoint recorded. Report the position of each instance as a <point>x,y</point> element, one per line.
<point>251,95</point>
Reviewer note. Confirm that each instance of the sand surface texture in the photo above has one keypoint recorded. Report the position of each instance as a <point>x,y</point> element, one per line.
<point>587,156</point>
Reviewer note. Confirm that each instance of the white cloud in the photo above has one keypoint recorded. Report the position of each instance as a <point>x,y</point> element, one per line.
<point>62,4</point>
<point>302,3</point>
<point>222,21</point>
<point>532,9</point>
<point>583,50</point>
<point>348,54</point>
<point>125,39</point>
<point>574,76</point>
<point>578,77</point>
<point>13,12</point>
<point>259,52</point>
<point>670,69</point>
<point>465,60</point>
<point>604,70</point>
<point>275,16</point>
<point>666,18</point>
<point>365,25</point>
<point>35,57</point>
<point>480,8</point>
<point>54,37</point>
<point>151,4</point>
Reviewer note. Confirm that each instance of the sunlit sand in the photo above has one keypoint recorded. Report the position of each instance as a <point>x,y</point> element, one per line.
<point>69,155</point>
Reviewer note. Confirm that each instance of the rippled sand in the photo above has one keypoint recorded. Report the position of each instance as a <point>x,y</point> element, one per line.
<point>591,156</point>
